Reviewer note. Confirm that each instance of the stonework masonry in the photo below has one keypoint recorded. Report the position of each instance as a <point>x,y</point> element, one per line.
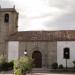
<point>7,28</point>
<point>48,50</point>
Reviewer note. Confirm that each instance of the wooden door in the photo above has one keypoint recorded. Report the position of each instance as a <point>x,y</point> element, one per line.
<point>37,59</point>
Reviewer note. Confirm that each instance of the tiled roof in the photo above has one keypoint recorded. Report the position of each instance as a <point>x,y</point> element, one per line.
<point>66,35</point>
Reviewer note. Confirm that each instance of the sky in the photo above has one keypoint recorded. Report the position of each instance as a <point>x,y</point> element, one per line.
<point>43,14</point>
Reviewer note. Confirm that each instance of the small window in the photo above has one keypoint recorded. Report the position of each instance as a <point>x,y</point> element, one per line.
<point>6,18</point>
<point>66,53</point>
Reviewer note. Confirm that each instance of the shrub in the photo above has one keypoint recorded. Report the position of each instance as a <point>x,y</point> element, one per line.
<point>74,64</point>
<point>7,66</point>
<point>2,61</point>
<point>22,65</point>
<point>54,66</point>
<point>10,65</point>
<point>18,72</point>
<point>4,65</point>
<point>61,66</point>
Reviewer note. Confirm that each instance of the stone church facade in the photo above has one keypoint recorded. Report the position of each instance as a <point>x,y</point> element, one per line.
<point>45,47</point>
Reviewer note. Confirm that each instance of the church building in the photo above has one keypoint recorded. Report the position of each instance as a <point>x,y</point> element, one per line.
<point>45,47</point>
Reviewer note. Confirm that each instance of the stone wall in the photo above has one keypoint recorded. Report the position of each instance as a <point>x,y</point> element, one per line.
<point>52,53</point>
<point>7,28</point>
<point>47,49</point>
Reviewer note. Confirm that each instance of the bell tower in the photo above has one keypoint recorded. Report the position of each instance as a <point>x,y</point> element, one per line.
<point>9,20</point>
<point>8,26</point>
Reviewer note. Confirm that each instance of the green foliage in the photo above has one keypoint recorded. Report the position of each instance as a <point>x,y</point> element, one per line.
<point>18,72</point>
<point>2,59</point>
<point>61,66</point>
<point>4,65</point>
<point>10,65</point>
<point>54,66</point>
<point>22,65</point>
<point>74,64</point>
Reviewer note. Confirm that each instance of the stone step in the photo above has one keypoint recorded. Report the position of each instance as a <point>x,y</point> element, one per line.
<point>40,70</point>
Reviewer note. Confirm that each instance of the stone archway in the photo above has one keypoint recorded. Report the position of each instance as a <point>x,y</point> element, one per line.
<point>37,59</point>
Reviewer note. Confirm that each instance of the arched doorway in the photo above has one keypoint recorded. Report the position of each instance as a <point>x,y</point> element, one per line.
<point>37,59</point>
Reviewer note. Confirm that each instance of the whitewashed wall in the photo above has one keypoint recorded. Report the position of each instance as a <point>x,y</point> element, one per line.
<point>60,46</point>
<point>13,49</point>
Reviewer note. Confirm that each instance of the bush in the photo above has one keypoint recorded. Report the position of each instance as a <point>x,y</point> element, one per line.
<point>10,65</point>
<point>74,64</point>
<point>61,66</point>
<point>54,66</point>
<point>2,61</point>
<point>22,65</point>
<point>7,66</point>
<point>4,65</point>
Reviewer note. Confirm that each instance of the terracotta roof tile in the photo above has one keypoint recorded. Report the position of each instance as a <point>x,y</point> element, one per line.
<point>66,35</point>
